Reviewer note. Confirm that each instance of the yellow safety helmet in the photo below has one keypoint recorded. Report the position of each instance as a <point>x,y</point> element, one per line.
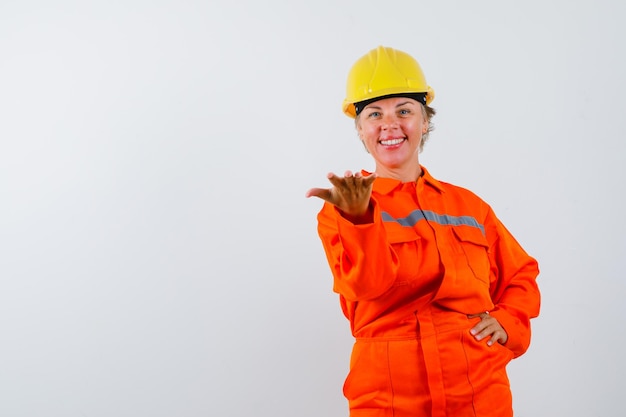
<point>384,72</point>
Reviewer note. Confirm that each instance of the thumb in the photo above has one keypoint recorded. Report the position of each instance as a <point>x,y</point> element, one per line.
<point>322,193</point>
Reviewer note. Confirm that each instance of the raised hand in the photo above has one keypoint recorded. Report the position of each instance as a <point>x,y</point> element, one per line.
<point>350,194</point>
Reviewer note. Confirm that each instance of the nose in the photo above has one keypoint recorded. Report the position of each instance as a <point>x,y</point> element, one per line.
<point>389,121</point>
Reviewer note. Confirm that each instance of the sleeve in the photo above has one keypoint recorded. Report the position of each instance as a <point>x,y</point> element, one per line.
<point>363,263</point>
<point>513,286</point>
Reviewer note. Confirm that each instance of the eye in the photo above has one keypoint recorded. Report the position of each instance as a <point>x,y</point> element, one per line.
<point>373,114</point>
<point>404,112</point>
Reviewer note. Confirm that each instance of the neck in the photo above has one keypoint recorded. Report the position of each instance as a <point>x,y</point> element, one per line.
<point>403,174</point>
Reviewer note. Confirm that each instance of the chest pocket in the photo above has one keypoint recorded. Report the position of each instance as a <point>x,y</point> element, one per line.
<point>473,246</point>
<point>406,243</point>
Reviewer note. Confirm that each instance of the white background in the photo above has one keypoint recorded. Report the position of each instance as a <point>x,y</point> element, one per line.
<point>157,254</point>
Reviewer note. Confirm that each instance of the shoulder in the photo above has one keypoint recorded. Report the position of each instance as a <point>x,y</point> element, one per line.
<point>458,190</point>
<point>459,200</point>
<point>454,191</point>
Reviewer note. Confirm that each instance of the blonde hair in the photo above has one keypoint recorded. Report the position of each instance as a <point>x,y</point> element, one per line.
<point>428,113</point>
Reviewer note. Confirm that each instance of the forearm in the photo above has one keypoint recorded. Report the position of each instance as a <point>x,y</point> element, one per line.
<point>363,264</point>
<point>514,290</point>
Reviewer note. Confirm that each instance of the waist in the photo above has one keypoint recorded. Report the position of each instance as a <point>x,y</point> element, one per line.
<point>424,323</point>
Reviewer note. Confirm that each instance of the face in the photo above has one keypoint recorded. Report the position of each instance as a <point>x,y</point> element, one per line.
<point>392,130</point>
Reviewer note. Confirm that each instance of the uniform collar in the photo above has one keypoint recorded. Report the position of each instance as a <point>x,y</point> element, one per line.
<point>386,185</point>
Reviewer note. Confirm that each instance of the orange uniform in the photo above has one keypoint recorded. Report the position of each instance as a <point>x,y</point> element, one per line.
<point>434,254</point>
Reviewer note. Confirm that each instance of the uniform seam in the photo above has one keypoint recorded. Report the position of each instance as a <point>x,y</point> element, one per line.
<point>467,372</point>
<point>390,379</point>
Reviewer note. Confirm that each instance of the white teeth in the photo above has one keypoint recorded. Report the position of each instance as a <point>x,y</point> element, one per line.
<point>391,142</point>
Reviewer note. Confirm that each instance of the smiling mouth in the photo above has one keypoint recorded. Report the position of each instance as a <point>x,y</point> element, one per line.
<point>391,142</point>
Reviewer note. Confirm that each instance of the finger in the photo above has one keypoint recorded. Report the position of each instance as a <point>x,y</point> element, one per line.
<point>497,337</point>
<point>369,180</point>
<point>347,174</point>
<point>338,182</point>
<point>484,333</point>
<point>484,328</point>
<point>488,332</point>
<point>489,328</point>
<point>323,193</point>
<point>477,330</point>
<point>501,335</point>
<point>482,315</point>
<point>493,339</point>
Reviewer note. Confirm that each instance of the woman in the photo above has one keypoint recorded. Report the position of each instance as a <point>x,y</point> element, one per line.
<point>438,293</point>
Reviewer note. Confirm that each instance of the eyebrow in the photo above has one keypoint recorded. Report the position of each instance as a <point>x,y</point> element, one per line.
<point>397,105</point>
